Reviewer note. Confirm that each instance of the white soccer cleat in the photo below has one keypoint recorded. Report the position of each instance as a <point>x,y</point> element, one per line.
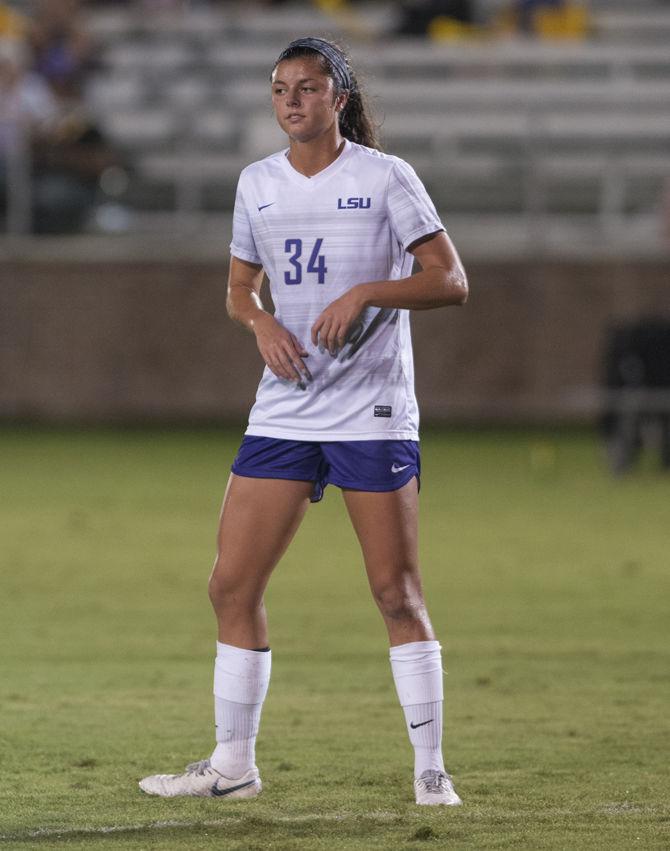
<point>435,787</point>
<point>200,780</point>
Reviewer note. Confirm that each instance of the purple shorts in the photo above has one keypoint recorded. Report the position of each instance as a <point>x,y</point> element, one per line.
<point>362,465</point>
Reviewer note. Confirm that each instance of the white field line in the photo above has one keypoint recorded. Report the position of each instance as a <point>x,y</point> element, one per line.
<point>52,833</point>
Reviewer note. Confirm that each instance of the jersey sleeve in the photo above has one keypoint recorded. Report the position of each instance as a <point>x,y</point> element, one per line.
<point>411,212</point>
<point>243,244</point>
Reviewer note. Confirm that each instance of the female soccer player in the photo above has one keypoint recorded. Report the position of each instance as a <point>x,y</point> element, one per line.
<point>334,224</point>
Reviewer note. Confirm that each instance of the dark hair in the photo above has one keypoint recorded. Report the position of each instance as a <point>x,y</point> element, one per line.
<point>356,123</point>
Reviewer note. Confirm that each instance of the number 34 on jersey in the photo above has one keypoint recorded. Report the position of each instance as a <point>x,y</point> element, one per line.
<point>315,265</point>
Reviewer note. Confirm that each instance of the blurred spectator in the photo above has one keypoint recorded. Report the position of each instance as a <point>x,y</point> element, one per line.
<point>526,11</point>
<point>24,96</point>
<point>62,50</point>
<point>417,16</point>
<point>547,18</point>
<point>12,25</point>
<point>67,166</point>
<point>27,111</point>
<point>637,376</point>
<point>56,151</point>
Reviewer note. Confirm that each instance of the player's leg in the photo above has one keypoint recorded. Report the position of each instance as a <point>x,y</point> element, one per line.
<point>258,520</point>
<point>386,524</point>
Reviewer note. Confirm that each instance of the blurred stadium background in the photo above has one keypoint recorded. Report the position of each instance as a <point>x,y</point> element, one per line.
<point>541,128</point>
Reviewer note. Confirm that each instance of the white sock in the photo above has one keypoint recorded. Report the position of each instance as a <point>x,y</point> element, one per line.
<point>241,679</point>
<point>417,673</point>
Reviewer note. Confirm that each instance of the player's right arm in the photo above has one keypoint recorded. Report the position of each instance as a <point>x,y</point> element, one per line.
<point>282,351</point>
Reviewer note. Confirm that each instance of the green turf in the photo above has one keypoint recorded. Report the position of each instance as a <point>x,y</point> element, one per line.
<point>547,581</point>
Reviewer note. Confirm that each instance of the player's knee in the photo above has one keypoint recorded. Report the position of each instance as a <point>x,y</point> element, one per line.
<point>397,601</point>
<point>220,589</point>
<point>226,593</point>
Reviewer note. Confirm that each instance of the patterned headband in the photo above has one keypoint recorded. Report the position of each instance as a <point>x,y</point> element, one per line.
<point>330,52</point>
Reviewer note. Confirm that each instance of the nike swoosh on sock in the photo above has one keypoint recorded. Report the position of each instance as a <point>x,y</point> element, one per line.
<point>422,724</point>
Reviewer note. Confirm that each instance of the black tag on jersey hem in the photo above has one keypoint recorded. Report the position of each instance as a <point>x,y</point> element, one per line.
<point>383,410</point>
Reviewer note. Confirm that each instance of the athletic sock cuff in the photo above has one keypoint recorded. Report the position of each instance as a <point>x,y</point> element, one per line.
<point>240,675</point>
<point>417,672</point>
<point>413,650</point>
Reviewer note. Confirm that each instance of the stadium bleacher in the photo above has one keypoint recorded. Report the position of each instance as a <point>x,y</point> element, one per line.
<point>508,126</point>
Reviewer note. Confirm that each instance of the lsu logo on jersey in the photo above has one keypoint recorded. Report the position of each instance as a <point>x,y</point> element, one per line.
<point>354,204</point>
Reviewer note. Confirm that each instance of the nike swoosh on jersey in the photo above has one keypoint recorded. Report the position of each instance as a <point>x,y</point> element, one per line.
<point>396,469</point>
<point>221,792</point>
<point>266,205</point>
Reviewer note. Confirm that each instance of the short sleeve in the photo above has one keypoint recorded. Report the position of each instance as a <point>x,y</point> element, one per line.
<point>243,244</point>
<point>411,212</point>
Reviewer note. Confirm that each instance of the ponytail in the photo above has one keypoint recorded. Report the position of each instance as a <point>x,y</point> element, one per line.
<point>355,121</point>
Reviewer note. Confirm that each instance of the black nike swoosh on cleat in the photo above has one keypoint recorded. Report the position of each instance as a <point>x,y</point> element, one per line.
<point>422,724</point>
<point>266,205</point>
<point>221,792</point>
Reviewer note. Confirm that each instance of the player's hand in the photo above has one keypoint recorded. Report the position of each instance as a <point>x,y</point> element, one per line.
<point>282,351</point>
<point>333,324</point>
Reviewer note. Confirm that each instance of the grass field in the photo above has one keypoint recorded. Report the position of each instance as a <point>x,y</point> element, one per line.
<point>548,583</point>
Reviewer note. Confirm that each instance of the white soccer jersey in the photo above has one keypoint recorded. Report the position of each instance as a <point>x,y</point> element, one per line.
<point>316,237</point>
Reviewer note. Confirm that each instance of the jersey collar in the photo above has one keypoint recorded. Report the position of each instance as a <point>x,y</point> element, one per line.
<point>321,176</point>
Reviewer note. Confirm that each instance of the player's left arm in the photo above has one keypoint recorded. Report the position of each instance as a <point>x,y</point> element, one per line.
<point>440,282</point>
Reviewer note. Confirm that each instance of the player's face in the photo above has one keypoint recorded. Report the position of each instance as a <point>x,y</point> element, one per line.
<point>304,99</point>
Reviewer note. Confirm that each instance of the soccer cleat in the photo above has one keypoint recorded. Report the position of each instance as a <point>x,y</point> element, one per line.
<point>200,780</point>
<point>435,787</point>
